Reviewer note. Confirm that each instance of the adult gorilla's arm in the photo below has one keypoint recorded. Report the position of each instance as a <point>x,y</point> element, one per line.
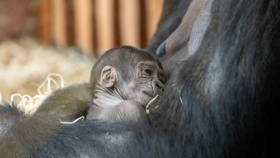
<point>21,134</point>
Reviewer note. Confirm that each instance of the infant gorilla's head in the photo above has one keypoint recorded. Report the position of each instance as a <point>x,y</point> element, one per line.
<point>133,73</point>
<point>124,80</point>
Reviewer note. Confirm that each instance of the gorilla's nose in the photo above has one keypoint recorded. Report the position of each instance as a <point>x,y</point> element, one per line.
<point>159,87</point>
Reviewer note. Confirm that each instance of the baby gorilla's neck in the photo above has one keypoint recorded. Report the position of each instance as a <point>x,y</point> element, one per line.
<point>106,97</point>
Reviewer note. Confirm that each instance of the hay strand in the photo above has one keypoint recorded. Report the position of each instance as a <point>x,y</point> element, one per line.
<point>150,102</point>
<point>80,118</point>
<point>28,103</point>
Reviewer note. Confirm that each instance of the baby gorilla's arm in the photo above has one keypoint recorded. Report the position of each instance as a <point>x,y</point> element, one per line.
<point>125,111</point>
<point>129,111</point>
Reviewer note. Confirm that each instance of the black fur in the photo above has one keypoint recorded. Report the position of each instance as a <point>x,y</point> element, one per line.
<point>236,117</point>
<point>171,16</point>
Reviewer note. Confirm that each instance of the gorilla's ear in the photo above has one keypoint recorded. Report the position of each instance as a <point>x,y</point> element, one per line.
<point>108,76</point>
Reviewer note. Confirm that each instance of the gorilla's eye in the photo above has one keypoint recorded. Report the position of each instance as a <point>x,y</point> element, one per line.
<point>148,72</point>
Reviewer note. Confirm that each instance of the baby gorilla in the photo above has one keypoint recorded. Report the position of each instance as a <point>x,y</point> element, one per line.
<point>124,80</point>
<point>122,83</point>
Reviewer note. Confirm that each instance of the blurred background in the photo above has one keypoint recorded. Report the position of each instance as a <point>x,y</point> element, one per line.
<point>38,37</point>
<point>92,25</point>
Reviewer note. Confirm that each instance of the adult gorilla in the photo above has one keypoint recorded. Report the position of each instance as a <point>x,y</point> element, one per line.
<point>224,79</point>
<point>221,98</point>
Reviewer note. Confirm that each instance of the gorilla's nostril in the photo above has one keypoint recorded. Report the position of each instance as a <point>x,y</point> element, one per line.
<point>158,86</point>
